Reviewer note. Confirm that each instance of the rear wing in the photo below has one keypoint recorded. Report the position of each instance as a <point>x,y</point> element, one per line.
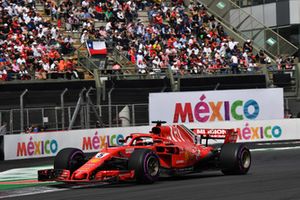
<point>228,135</point>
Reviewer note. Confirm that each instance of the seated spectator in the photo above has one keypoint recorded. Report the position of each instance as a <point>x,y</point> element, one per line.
<point>262,57</point>
<point>61,65</point>
<point>247,46</point>
<point>24,74</point>
<point>108,14</point>
<point>99,13</point>
<point>142,67</point>
<point>67,45</point>
<point>84,37</point>
<point>40,74</point>
<point>70,70</point>
<point>53,55</point>
<point>3,73</point>
<point>54,66</point>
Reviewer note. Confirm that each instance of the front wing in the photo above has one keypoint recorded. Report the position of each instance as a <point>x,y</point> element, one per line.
<point>63,175</point>
<point>53,174</point>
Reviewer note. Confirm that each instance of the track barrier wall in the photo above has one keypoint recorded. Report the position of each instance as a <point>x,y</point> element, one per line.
<point>48,144</point>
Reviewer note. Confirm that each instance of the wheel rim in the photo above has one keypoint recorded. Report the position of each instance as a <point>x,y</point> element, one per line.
<point>153,166</point>
<point>246,159</point>
<point>75,161</point>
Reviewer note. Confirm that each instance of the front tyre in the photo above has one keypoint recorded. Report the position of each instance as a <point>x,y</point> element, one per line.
<point>235,159</point>
<point>145,164</point>
<point>69,158</point>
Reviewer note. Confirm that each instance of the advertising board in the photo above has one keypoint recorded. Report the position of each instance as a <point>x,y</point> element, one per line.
<point>48,144</point>
<point>216,106</point>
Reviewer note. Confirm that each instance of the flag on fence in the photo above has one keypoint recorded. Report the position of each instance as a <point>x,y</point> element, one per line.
<point>96,47</point>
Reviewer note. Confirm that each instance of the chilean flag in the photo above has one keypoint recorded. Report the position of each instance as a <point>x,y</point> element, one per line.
<point>96,47</point>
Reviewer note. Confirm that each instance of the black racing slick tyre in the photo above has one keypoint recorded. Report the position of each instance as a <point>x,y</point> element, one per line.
<point>145,164</point>
<point>235,159</point>
<point>69,158</point>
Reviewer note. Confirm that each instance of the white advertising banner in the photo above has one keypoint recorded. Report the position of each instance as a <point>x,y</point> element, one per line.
<point>48,144</point>
<point>258,131</point>
<point>216,106</point>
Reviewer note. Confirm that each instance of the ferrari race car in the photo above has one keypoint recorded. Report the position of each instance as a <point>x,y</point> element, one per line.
<point>144,157</point>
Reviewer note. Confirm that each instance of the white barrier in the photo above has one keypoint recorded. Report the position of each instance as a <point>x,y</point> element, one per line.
<point>259,131</point>
<point>48,144</point>
<point>216,106</point>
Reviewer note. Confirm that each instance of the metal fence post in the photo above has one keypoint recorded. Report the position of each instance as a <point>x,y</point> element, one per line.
<point>43,115</point>
<point>88,107</point>
<point>62,103</point>
<point>56,118</point>
<point>22,109</point>
<point>298,81</point>
<point>117,115</point>
<point>27,119</point>
<point>78,105</point>
<point>133,114</point>
<point>98,85</point>
<point>109,107</point>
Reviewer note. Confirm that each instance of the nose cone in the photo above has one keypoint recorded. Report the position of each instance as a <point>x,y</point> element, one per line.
<point>80,175</point>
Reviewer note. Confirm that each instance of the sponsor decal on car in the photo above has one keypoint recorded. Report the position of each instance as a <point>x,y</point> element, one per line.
<point>101,155</point>
<point>179,161</point>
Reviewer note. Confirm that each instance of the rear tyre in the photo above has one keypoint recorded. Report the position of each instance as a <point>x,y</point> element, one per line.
<point>235,159</point>
<point>145,164</point>
<point>69,158</point>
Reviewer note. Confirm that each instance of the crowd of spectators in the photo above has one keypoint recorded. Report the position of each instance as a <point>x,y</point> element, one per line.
<point>185,41</point>
<point>30,46</point>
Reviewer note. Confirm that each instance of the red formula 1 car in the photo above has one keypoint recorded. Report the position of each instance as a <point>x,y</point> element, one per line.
<point>144,157</point>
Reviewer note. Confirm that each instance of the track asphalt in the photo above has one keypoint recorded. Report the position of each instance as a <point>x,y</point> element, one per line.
<point>274,174</point>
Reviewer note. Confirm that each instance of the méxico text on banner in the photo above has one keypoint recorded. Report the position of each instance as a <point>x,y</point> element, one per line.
<point>216,106</point>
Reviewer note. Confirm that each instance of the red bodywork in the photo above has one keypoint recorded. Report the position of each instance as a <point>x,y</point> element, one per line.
<point>178,149</point>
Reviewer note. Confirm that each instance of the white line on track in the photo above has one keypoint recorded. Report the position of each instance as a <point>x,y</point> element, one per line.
<point>40,191</point>
<point>287,142</point>
<point>275,148</point>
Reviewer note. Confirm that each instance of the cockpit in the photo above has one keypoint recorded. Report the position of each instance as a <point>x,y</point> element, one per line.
<point>142,141</point>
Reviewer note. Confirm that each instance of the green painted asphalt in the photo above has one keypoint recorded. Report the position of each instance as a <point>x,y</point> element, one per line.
<point>19,186</point>
<point>22,177</point>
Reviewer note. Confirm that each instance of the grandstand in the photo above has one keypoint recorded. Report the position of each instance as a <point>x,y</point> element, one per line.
<point>49,79</point>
